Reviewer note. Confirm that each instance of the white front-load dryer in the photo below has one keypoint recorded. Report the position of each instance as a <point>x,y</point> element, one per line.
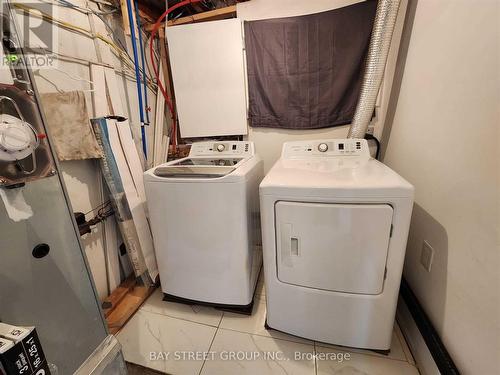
<point>334,228</point>
<point>204,214</point>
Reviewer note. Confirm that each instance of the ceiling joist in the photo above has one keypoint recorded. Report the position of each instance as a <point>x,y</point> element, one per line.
<point>212,15</point>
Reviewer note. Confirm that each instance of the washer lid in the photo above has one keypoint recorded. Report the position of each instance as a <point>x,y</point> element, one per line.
<point>193,172</point>
<point>217,162</point>
<point>198,168</point>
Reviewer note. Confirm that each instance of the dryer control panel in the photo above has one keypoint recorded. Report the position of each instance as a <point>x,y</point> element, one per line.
<point>222,148</point>
<point>326,148</point>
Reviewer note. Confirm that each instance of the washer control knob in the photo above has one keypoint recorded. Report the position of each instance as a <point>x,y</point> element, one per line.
<point>322,147</point>
<point>220,147</point>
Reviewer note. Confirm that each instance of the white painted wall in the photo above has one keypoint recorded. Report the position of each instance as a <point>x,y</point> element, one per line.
<point>268,142</point>
<point>445,141</point>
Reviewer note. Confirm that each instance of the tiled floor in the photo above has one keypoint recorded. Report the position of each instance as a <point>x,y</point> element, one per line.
<point>172,338</point>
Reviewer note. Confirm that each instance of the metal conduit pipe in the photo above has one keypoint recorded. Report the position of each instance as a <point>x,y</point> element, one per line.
<point>378,50</point>
<point>130,10</point>
<point>143,62</point>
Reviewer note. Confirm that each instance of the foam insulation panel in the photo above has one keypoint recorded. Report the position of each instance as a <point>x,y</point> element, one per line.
<point>208,72</point>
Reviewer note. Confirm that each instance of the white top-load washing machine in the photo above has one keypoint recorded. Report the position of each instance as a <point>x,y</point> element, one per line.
<point>204,215</point>
<point>334,228</point>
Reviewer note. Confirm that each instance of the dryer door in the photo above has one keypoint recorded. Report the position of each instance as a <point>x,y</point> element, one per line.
<point>335,247</point>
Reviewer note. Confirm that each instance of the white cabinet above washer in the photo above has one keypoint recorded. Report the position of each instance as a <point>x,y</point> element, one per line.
<point>334,247</point>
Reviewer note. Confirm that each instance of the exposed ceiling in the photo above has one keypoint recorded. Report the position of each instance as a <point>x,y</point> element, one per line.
<point>151,10</point>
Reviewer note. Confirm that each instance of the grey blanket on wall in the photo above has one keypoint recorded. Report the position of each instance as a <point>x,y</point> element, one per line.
<point>305,72</point>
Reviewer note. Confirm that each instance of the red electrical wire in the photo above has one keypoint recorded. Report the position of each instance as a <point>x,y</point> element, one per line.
<point>154,31</point>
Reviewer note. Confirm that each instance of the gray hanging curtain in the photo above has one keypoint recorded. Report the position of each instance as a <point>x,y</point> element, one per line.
<point>305,72</point>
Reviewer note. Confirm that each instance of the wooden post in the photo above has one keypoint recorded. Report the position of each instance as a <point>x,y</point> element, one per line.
<point>167,73</point>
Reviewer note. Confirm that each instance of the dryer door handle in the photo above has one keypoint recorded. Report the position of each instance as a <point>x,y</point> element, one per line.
<point>289,245</point>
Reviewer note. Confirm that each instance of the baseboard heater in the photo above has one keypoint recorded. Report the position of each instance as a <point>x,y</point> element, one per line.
<point>443,360</point>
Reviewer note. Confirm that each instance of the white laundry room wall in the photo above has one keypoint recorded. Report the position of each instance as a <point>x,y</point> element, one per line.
<point>82,177</point>
<point>268,141</point>
<point>445,141</point>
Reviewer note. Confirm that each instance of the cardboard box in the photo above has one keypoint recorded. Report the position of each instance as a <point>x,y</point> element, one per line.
<point>12,358</point>
<point>25,356</point>
<point>5,346</point>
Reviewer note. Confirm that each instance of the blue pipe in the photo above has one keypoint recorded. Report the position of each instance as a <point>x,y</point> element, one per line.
<point>137,75</point>
<point>141,48</point>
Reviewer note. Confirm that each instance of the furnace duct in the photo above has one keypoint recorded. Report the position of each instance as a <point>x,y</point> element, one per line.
<point>383,27</point>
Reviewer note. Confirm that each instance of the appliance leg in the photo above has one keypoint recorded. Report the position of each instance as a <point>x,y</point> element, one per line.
<point>239,309</point>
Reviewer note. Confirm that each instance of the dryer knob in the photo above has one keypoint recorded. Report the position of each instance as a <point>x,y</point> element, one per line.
<point>322,147</point>
<point>220,147</point>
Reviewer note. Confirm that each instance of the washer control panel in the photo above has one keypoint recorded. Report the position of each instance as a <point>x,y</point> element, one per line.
<point>241,148</point>
<point>326,148</point>
<point>323,147</point>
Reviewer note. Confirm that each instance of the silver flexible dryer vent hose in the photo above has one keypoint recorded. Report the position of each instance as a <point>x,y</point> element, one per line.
<point>383,27</point>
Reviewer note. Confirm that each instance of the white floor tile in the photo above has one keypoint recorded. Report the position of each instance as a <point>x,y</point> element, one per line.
<point>255,348</point>
<point>254,324</point>
<point>173,328</point>
<point>395,353</point>
<point>148,332</point>
<point>359,364</point>
<point>404,345</point>
<point>193,313</point>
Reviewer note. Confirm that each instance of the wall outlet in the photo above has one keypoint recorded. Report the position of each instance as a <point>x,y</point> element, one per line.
<point>427,256</point>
